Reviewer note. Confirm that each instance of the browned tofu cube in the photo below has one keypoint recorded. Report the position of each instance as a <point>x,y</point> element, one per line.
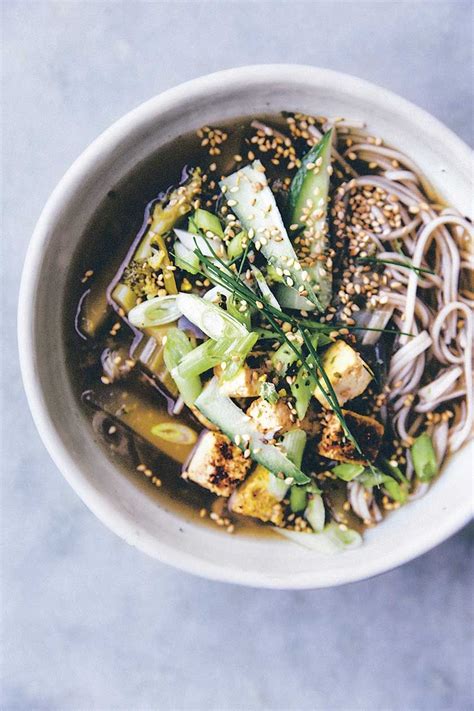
<point>217,464</point>
<point>271,418</point>
<point>367,431</point>
<point>256,498</point>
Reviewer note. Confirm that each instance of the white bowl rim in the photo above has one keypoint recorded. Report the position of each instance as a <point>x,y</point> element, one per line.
<point>120,523</point>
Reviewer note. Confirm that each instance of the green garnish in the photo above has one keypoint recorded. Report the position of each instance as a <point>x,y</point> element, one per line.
<point>236,245</point>
<point>212,353</point>
<point>395,471</point>
<point>376,478</point>
<point>396,263</point>
<point>174,432</point>
<point>269,393</point>
<point>298,498</point>
<point>154,312</point>
<point>177,347</point>
<point>348,472</point>
<point>205,222</point>
<point>424,458</point>
<point>294,443</point>
<point>219,273</point>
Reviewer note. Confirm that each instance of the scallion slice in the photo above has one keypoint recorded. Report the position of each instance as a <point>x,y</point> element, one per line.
<point>155,312</point>
<point>424,458</point>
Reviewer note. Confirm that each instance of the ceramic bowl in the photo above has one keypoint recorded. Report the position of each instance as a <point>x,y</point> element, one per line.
<point>123,506</point>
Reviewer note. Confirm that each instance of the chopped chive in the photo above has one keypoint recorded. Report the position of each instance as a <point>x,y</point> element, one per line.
<point>396,263</point>
<point>221,275</point>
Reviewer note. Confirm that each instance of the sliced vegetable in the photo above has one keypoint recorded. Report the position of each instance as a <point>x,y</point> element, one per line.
<point>232,352</point>
<point>149,353</point>
<point>333,538</point>
<point>307,202</point>
<point>268,392</point>
<point>397,492</point>
<point>241,312</point>
<point>370,478</point>
<point>298,498</point>
<point>236,245</point>
<point>211,319</point>
<point>342,537</point>
<point>392,468</point>
<point>248,194</point>
<point>230,419</point>
<point>204,357</point>
<point>375,478</point>
<point>290,298</point>
<point>177,346</point>
<point>139,277</point>
<point>348,472</point>
<point>242,347</point>
<point>315,512</point>
<point>424,458</point>
<point>294,443</point>
<point>207,245</point>
<point>206,221</point>
<point>174,432</point>
<point>166,214</point>
<point>155,312</point>
<point>264,288</point>
<point>124,297</point>
<point>302,390</point>
<point>282,358</point>
<point>303,385</point>
<point>185,259</point>
<point>276,487</point>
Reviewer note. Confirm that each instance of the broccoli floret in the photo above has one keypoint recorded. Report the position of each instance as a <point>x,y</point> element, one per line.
<point>144,279</point>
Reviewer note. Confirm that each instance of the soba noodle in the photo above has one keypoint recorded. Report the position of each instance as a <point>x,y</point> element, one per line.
<point>433,367</point>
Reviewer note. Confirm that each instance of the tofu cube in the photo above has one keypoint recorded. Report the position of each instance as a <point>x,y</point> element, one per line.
<point>255,498</point>
<point>346,371</point>
<point>245,383</point>
<point>271,418</point>
<point>217,464</point>
<point>367,431</point>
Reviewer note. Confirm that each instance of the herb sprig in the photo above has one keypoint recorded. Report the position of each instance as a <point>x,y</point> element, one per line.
<point>221,275</point>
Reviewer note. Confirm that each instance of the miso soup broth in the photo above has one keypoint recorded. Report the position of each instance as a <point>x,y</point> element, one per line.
<point>257,341</point>
<point>123,414</point>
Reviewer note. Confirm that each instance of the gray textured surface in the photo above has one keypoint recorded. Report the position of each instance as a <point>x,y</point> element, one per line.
<point>89,623</point>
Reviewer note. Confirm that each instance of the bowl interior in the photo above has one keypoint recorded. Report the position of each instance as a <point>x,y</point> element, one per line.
<point>116,499</point>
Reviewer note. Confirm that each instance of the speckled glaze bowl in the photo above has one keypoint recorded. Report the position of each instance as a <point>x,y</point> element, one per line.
<point>123,506</point>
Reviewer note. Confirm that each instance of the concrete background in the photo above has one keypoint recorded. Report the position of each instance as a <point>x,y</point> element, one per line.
<point>89,623</point>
